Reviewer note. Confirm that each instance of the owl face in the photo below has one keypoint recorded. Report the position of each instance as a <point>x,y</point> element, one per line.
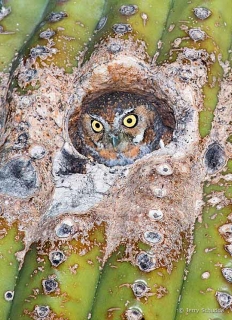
<point>118,128</point>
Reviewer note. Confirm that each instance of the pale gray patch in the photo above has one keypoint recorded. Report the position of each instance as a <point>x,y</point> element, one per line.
<point>56,257</point>
<point>18,178</point>
<point>39,51</point>
<point>57,16</point>
<point>202,13</point>
<point>224,299</point>
<point>64,229</point>
<point>227,274</point>
<point>122,28</point>
<point>101,23</point>
<point>42,311</point>
<point>37,152</point>
<point>153,237</point>
<point>214,158</point>
<point>128,10</point>
<point>47,34</point>
<point>140,288</point>
<point>22,141</point>
<point>197,34</point>
<point>114,48</point>
<point>146,262</point>
<point>134,314</point>
<point>49,285</point>
<point>4,12</point>
<point>79,192</point>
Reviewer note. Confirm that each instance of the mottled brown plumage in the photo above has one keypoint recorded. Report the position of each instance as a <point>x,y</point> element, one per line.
<point>118,128</point>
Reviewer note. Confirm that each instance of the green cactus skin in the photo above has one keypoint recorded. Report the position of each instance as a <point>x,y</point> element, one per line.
<point>173,14</point>
<point>107,293</point>
<point>73,32</point>
<point>117,279</point>
<point>23,24</point>
<point>218,29</point>
<point>164,25</point>
<point>198,294</point>
<point>11,242</point>
<point>147,22</point>
<point>204,277</point>
<point>77,278</point>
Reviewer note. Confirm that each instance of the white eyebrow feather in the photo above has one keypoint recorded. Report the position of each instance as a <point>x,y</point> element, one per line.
<point>118,119</point>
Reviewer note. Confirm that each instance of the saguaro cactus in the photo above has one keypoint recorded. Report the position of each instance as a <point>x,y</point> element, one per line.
<point>115,160</point>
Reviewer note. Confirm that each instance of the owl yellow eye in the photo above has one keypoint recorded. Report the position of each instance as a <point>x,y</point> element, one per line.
<point>130,121</point>
<point>96,126</point>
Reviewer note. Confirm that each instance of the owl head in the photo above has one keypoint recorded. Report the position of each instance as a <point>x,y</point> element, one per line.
<point>118,128</point>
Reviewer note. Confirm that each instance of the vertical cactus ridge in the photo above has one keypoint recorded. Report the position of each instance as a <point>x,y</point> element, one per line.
<point>119,278</point>
<point>61,276</point>
<point>145,22</point>
<point>182,18</point>
<point>151,22</point>
<point>11,242</point>
<point>217,28</point>
<point>204,273</point>
<point>165,30</point>
<point>72,32</point>
<point>19,27</point>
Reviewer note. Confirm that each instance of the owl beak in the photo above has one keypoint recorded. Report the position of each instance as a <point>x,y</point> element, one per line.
<point>115,140</point>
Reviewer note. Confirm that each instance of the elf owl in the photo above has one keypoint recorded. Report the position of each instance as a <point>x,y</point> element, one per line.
<point>119,128</point>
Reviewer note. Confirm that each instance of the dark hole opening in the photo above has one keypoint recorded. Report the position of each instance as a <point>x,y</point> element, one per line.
<point>118,145</point>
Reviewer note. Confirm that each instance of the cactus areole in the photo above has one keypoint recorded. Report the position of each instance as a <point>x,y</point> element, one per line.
<point>115,160</point>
